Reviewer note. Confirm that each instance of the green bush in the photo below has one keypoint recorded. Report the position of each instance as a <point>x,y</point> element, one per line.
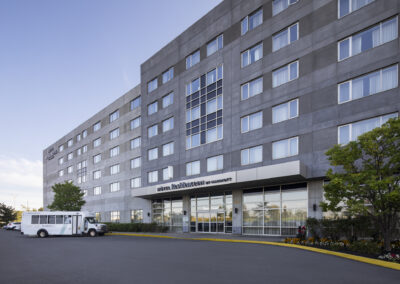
<point>136,227</point>
<point>366,247</point>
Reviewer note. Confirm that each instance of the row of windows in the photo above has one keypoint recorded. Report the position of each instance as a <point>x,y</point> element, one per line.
<point>166,76</point>
<point>167,125</point>
<point>167,100</point>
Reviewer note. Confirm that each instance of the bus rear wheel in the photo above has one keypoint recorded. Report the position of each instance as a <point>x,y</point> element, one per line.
<point>92,233</point>
<point>42,234</point>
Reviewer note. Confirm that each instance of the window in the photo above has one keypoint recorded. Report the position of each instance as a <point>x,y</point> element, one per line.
<point>168,149</point>
<point>153,176</point>
<point>61,161</point>
<point>79,151</point>
<point>84,134</point>
<point>70,142</point>
<point>168,173</point>
<point>193,114</point>
<point>193,87</point>
<point>114,216</point>
<point>168,124</point>
<point>135,123</point>
<point>152,130</point>
<point>251,155</point>
<point>60,148</point>
<point>114,116</point>
<point>285,148</point>
<point>136,182</point>
<point>252,21</point>
<point>168,100</point>
<point>252,55</point>
<point>251,122</point>
<point>84,148</point>
<point>70,156</point>
<point>348,6</point>
<point>152,85</point>
<point>366,85</point>
<point>96,159</point>
<point>114,151</point>
<point>136,163</point>
<point>215,163</point>
<point>215,45</point>
<point>214,134</point>
<point>152,154</point>
<point>137,216</point>
<point>114,186</point>
<point>78,137</point>
<point>96,174</point>
<point>82,171</point>
<point>70,169</point>
<point>152,108</point>
<point>97,190</point>
<point>192,59</point>
<point>135,103</point>
<point>97,142</point>
<point>193,168</point>
<point>114,169</point>
<point>280,5</point>
<point>370,38</point>
<point>350,132</point>
<point>61,173</point>
<point>135,143</point>
<point>285,74</point>
<point>168,75</point>
<point>114,133</point>
<point>252,88</point>
<point>285,37</point>
<point>285,111</point>
<point>96,126</point>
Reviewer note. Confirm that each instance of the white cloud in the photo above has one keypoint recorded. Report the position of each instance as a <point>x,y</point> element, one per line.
<point>21,182</point>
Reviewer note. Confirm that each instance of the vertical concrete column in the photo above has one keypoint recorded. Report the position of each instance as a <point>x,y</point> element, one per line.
<point>315,195</point>
<point>237,211</point>
<point>186,218</point>
<point>145,204</point>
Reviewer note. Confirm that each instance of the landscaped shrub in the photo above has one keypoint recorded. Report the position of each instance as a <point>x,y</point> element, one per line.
<point>136,227</point>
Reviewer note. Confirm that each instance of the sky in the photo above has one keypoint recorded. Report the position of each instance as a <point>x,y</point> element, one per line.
<point>62,61</point>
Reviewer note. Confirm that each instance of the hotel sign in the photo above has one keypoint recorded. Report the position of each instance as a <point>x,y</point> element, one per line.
<point>51,153</point>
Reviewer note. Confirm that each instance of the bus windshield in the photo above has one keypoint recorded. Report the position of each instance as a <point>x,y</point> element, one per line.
<point>91,220</point>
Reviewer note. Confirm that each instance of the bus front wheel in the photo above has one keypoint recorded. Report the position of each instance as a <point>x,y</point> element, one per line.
<point>92,233</point>
<point>42,234</point>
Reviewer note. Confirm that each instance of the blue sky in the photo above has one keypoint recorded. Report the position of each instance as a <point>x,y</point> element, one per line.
<point>61,62</point>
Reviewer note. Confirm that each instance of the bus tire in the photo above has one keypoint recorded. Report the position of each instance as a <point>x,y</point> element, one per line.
<point>92,233</point>
<point>42,234</point>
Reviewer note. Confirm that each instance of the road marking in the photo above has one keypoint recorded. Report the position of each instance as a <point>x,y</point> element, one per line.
<point>368,260</point>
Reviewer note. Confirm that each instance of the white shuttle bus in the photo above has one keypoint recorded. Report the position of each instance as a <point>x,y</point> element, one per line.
<point>53,223</point>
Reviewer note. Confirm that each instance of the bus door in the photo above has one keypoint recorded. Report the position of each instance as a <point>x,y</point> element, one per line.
<point>76,222</point>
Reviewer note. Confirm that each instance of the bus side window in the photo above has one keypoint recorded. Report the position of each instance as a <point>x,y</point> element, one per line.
<point>35,219</point>
<point>67,219</point>
<point>52,219</point>
<point>59,219</point>
<point>43,219</point>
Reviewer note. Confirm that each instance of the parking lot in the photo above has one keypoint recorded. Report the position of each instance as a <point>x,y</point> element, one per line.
<point>122,259</point>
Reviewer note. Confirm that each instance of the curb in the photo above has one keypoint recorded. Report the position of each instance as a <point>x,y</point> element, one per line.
<point>377,262</point>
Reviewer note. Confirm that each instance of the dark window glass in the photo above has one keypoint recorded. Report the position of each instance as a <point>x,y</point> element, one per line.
<point>52,219</point>
<point>203,109</point>
<point>59,219</point>
<point>219,84</point>
<point>211,87</point>
<point>219,91</point>
<point>203,91</point>
<point>211,95</point>
<point>211,116</point>
<point>211,124</point>
<point>203,81</point>
<point>203,127</point>
<point>195,122</point>
<point>43,219</point>
<point>203,137</point>
<point>219,121</point>
<point>35,219</point>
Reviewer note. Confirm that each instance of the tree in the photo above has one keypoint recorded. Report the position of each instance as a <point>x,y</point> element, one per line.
<point>366,178</point>
<point>7,213</point>
<point>68,197</point>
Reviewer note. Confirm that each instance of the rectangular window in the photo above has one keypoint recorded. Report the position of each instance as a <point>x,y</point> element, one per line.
<point>97,142</point>
<point>137,216</point>
<point>97,126</point>
<point>96,174</point>
<point>114,186</point>
<point>61,173</point>
<point>193,168</point>
<point>252,55</point>
<point>78,137</point>
<point>70,156</point>
<point>285,148</point>
<point>348,6</point>
<point>114,116</point>
<point>168,124</point>
<point>84,148</point>
<point>114,216</point>
<point>152,154</point>
<point>135,143</point>
<point>168,75</point>
<point>193,87</point>
<point>135,103</point>
<point>35,219</point>
<point>70,169</point>
<point>136,122</point>
<point>152,130</point>
<point>168,173</point>
<point>366,85</point>
<point>70,142</point>
<point>60,148</point>
<point>136,182</point>
<point>280,5</point>
<point>285,111</point>
<point>84,134</point>
<point>114,151</point>
<point>215,163</point>
<point>215,45</point>
<point>214,134</point>
<point>251,155</point>
<point>136,163</point>
<point>61,161</point>
<point>97,190</point>
<point>252,21</point>
<point>251,122</point>
<point>168,149</point>
<point>375,36</point>
<point>152,108</point>
<point>168,100</point>
<point>285,37</point>
<point>350,132</point>
<point>152,85</point>
<point>153,176</point>
<point>285,74</point>
<point>114,169</point>
<point>114,133</point>
<point>96,159</point>
<point>192,59</point>
<point>79,151</point>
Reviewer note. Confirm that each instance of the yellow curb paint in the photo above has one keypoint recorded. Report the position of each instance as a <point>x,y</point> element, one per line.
<point>372,261</point>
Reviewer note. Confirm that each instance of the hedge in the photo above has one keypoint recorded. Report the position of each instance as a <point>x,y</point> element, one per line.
<point>136,227</point>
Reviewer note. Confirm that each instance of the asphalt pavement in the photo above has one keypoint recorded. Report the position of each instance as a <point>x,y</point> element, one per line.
<point>123,259</point>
